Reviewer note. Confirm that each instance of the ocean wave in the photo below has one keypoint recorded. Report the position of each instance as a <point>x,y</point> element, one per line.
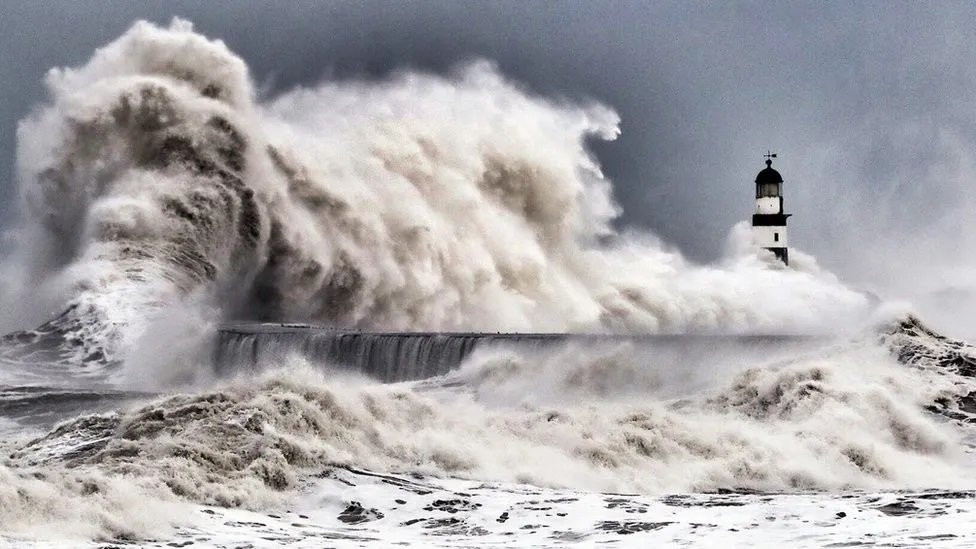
<point>464,202</point>
<point>813,422</point>
<point>161,196</point>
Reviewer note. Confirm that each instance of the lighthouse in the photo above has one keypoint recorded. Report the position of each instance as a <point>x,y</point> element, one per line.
<point>769,221</point>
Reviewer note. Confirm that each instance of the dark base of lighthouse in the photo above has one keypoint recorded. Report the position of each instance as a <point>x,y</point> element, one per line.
<point>783,254</point>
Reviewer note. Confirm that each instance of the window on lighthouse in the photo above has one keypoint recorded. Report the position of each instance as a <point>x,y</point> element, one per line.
<point>775,237</point>
<point>768,189</point>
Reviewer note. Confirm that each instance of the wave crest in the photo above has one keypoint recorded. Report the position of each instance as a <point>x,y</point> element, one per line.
<point>419,202</point>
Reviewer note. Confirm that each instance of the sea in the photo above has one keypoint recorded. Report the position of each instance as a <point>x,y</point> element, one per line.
<point>396,312</point>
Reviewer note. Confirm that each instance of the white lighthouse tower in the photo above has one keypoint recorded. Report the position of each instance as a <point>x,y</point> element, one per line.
<point>769,221</point>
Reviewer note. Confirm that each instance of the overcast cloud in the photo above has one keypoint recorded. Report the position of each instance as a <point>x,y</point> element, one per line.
<point>870,105</point>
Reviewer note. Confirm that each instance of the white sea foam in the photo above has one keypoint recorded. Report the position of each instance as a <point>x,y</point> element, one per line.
<point>812,415</point>
<point>416,202</point>
<point>816,422</point>
<point>160,195</point>
<point>52,503</point>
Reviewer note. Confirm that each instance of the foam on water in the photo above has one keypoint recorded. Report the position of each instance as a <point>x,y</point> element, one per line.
<point>595,421</point>
<point>84,504</point>
<point>152,175</point>
<point>160,197</point>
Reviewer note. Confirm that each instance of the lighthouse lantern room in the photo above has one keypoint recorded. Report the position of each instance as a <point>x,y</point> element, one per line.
<point>769,221</point>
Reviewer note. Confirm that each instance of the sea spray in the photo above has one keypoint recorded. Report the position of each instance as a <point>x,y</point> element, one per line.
<point>161,196</point>
<point>813,422</point>
<point>418,202</point>
<point>85,504</point>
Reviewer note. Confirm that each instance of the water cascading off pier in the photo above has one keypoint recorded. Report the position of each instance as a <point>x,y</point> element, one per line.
<point>403,356</point>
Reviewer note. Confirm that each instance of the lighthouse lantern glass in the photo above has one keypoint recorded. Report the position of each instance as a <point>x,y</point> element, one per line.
<point>767,189</point>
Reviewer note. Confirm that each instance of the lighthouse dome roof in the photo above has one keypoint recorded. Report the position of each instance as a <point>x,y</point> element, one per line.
<point>769,175</point>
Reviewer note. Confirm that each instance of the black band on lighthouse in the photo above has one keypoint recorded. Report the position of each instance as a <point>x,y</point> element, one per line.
<point>769,220</point>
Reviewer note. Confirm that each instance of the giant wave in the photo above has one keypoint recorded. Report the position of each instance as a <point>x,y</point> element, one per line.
<point>153,175</point>
<point>163,198</point>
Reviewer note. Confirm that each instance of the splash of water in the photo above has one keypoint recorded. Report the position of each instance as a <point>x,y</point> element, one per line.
<point>419,202</point>
<point>564,418</point>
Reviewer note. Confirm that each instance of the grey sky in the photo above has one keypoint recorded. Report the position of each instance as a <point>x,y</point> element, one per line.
<point>869,104</point>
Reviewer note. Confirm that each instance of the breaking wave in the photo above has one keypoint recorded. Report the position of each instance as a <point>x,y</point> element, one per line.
<point>837,417</point>
<point>153,175</point>
<point>161,197</point>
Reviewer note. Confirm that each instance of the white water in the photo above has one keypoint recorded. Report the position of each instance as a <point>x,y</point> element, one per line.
<point>415,203</point>
<point>589,421</point>
<point>160,195</point>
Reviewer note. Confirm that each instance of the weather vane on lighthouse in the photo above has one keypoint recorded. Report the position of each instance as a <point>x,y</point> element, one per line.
<point>769,221</point>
